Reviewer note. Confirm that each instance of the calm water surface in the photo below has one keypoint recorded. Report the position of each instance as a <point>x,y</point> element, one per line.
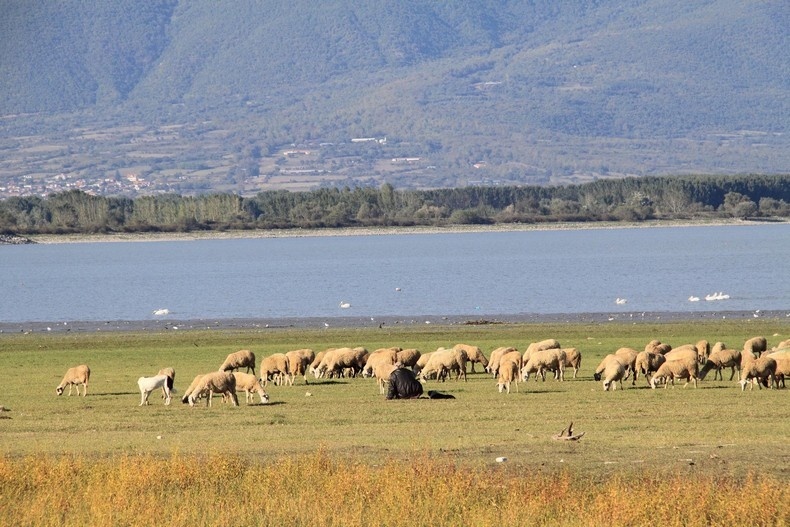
<point>542,272</point>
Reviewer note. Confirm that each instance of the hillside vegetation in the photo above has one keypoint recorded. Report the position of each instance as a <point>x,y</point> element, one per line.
<point>193,96</point>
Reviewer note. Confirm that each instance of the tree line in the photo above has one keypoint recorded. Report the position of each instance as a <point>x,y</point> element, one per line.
<point>628,199</point>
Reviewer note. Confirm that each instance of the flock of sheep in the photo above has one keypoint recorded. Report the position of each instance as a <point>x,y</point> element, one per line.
<point>689,362</point>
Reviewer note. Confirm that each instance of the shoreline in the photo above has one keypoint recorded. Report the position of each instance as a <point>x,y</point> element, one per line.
<point>381,231</point>
<point>168,323</point>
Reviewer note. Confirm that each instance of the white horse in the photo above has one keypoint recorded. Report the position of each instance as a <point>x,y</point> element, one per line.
<point>149,384</point>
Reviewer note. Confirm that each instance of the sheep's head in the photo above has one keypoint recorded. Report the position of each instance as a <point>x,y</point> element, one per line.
<point>597,376</point>
<point>606,385</point>
<point>264,397</point>
<point>59,390</point>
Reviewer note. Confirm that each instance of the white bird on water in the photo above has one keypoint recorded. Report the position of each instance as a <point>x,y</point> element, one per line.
<point>344,305</point>
<point>693,298</point>
<point>161,311</point>
<point>621,301</point>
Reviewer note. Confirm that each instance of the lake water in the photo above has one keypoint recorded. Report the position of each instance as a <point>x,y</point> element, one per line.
<point>477,274</point>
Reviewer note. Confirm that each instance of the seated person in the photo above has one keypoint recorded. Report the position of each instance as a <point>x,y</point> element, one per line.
<point>404,385</point>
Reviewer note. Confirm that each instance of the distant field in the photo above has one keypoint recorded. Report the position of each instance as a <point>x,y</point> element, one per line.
<point>715,427</point>
<point>674,440</point>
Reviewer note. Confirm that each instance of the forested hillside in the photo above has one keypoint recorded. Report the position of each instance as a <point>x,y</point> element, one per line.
<point>196,96</point>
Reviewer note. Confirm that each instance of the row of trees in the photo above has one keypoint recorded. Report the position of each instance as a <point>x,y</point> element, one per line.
<point>629,199</point>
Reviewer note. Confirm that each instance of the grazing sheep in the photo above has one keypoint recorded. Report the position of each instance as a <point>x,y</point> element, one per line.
<point>721,357</point>
<point>240,359</point>
<point>496,356</point>
<point>251,385</point>
<point>421,362</point>
<point>573,359</point>
<point>74,377</point>
<point>336,361</point>
<point>647,363</point>
<point>629,354</point>
<point>703,350</point>
<point>408,358</point>
<point>543,345</point>
<point>299,362</point>
<point>679,368</point>
<point>755,346</point>
<point>656,346</point>
<point>170,372</point>
<point>149,384</point>
<point>761,370</point>
<point>509,367</point>
<point>599,371</point>
<point>782,358</point>
<point>613,371</point>
<point>194,384</point>
<point>474,355</point>
<point>539,361</point>
<point>316,361</point>
<point>379,356</point>
<point>275,366</point>
<point>382,372</point>
<point>782,345</point>
<point>444,361</point>
<point>215,382</point>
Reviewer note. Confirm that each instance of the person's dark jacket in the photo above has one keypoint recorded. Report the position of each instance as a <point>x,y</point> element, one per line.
<point>404,385</point>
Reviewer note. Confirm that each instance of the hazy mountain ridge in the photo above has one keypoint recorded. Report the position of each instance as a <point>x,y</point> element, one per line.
<point>535,91</point>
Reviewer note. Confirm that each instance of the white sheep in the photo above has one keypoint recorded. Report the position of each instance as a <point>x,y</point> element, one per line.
<point>408,358</point>
<point>540,361</point>
<point>379,356</point>
<point>703,350</point>
<point>646,363</point>
<point>721,357</point>
<point>299,362</point>
<point>74,377</point>
<point>755,346</point>
<point>509,367</point>
<point>191,388</point>
<point>656,346</point>
<point>543,345</point>
<point>678,368</point>
<point>474,355</point>
<point>495,357</point>
<point>215,382</point>
<point>599,371</point>
<point>319,357</point>
<point>382,371</point>
<point>444,361</point>
<point>573,359</point>
<point>149,384</point>
<point>251,385</point>
<point>421,362</point>
<point>336,361</point>
<point>782,358</point>
<point>761,371</point>
<point>613,371</point>
<point>275,367</point>
<point>629,354</point>
<point>240,359</point>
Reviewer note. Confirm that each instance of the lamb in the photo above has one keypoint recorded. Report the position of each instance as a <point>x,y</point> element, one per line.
<point>275,366</point>
<point>149,384</point>
<point>646,363</point>
<point>298,363</point>
<point>721,357</point>
<point>540,361</point>
<point>215,382</point>
<point>444,361</point>
<point>74,377</point>
<point>251,385</point>
<point>509,367</point>
<point>408,358</point>
<point>240,359</point>
<point>755,346</point>
<point>496,356</point>
<point>760,370</point>
<point>679,368</point>
<point>474,355</point>
<point>612,369</point>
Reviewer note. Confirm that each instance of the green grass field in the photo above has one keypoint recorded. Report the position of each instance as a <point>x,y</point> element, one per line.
<point>712,428</point>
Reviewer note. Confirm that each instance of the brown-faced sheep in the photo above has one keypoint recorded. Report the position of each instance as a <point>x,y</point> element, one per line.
<point>761,370</point>
<point>251,385</point>
<point>299,362</point>
<point>755,346</point>
<point>474,355</point>
<point>721,357</point>
<point>509,367</point>
<point>76,376</point>
<point>496,356</point>
<point>679,368</point>
<point>408,358</point>
<point>215,382</point>
<point>239,359</point>
<point>540,361</point>
<point>444,361</point>
<point>647,363</point>
<point>612,370</point>
<point>275,367</point>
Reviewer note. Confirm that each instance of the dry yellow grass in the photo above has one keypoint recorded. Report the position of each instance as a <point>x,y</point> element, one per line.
<point>322,490</point>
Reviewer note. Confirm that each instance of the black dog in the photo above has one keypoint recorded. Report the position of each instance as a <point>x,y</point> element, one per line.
<point>433,394</point>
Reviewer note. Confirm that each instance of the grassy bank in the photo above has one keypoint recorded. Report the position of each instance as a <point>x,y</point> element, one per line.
<point>341,431</point>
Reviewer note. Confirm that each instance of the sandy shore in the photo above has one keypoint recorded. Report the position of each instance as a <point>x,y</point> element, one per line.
<point>374,231</point>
